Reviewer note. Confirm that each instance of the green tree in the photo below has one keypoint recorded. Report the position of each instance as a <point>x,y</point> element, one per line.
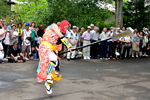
<point>136,15</point>
<point>4,9</point>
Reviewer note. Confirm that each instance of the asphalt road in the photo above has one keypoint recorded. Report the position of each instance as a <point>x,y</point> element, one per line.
<point>81,80</point>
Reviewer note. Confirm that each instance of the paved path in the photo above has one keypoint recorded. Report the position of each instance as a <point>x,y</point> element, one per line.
<point>81,80</point>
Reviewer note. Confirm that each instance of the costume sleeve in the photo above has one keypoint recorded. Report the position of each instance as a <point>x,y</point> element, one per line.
<point>65,42</point>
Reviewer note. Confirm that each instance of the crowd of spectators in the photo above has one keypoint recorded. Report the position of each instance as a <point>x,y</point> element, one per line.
<point>19,43</point>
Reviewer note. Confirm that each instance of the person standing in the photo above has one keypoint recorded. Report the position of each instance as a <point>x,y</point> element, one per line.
<point>26,41</point>
<point>4,38</point>
<point>135,45</point>
<point>81,33</point>
<point>127,40</point>
<point>10,23</point>
<point>33,32</point>
<point>103,45</point>
<point>86,40</point>
<point>73,39</point>
<point>112,45</point>
<point>145,45</point>
<point>141,43</point>
<point>40,32</point>
<point>19,30</point>
<point>95,37</point>
<point>13,37</point>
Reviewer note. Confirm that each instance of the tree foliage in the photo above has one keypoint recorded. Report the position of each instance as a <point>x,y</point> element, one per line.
<point>4,9</point>
<point>136,15</point>
<point>80,13</point>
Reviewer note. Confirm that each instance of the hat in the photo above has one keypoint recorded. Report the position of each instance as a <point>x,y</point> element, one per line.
<point>13,25</point>
<point>111,27</point>
<point>63,24</point>
<point>89,27</point>
<point>92,25</point>
<point>41,25</point>
<point>74,27</point>
<point>97,28</point>
<point>27,24</point>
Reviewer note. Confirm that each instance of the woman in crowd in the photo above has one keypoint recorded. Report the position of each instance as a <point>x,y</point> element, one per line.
<point>141,43</point>
<point>13,36</point>
<point>19,30</point>
<point>4,38</point>
<point>127,40</point>
<point>33,32</point>
<point>135,45</point>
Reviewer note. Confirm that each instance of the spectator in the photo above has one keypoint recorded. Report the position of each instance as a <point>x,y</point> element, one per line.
<point>103,45</point>
<point>40,32</point>
<point>144,31</point>
<point>1,53</point>
<point>4,38</point>
<point>34,53</point>
<point>10,23</point>
<point>112,45</point>
<point>19,30</point>
<point>135,45</point>
<point>145,45</point>
<point>13,36</point>
<point>26,39</point>
<point>127,40</point>
<point>73,39</point>
<point>79,36</point>
<point>86,36</point>
<point>141,43</point>
<point>33,32</point>
<point>81,33</point>
<point>1,24</point>
<point>95,37</point>
<point>15,55</point>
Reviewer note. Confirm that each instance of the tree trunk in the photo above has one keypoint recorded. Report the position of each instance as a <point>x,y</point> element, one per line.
<point>118,15</point>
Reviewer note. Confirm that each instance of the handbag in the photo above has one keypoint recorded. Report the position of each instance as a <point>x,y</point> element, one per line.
<point>3,40</point>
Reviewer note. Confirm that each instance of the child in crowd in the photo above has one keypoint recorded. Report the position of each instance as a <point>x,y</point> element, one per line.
<point>135,45</point>
<point>34,53</point>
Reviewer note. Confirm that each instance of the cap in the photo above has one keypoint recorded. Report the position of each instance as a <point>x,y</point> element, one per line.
<point>97,28</point>
<point>27,24</point>
<point>74,27</point>
<point>92,25</point>
<point>13,25</point>
<point>41,25</point>
<point>89,27</point>
<point>111,27</point>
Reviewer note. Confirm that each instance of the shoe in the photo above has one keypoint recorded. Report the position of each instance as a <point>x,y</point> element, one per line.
<point>88,57</point>
<point>137,57</point>
<point>132,56</point>
<point>68,59</point>
<point>5,60</point>
<point>105,59</point>
<point>48,88</point>
<point>101,58</point>
<point>146,55</point>
<point>49,79</point>
<point>85,58</point>
<point>26,58</point>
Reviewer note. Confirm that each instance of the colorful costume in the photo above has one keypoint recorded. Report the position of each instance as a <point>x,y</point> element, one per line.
<point>49,61</point>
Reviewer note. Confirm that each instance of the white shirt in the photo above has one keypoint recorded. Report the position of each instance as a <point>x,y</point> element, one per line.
<point>67,33</point>
<point>73,36</point>
<point>1,47</point>
<point>103,36</point>
<point>94,35</point>
<point>27,34</point>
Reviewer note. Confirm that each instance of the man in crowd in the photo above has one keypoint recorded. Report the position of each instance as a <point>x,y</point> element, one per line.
<point>40,32</point>
<point>15,55</point>
<point>73,39</point>
<point>26,39</point>
<point>94,37</point>
<point>86,37</point>
<point>103,45</point>
<point>10,23</point>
